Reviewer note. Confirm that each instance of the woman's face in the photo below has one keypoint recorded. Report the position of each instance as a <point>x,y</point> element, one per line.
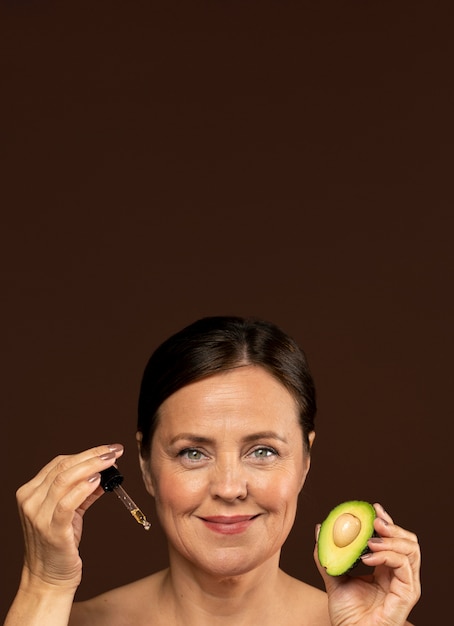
<point>227,463</point>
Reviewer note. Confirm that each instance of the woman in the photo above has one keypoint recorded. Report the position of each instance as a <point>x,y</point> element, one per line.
<point>225,428</point>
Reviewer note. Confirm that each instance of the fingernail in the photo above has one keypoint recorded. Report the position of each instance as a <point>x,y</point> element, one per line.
<point>107,456</point>
<point>115,447</point>
<point>317,531</point>
<point>376,540</point>
<point>383,521</point>
<point>94,478</point>
<point>367,555</point>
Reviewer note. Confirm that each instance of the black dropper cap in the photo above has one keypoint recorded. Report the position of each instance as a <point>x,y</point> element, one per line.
<point>111,478</point>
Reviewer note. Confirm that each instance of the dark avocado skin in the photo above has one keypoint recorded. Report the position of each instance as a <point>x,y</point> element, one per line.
<point>341,560</point>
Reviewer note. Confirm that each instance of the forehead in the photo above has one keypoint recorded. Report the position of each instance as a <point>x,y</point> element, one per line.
<point>248,393</point>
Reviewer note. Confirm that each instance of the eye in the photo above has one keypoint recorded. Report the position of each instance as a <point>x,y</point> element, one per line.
<point>264,452</point>
<point>192,454</point>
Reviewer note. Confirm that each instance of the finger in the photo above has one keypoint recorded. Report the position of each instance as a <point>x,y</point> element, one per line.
<point>403,546</point>
<point>63,462</point>
<point>61,478</point>
<point>397,539</point>
<point>382,513</point>
<point>398,562</point>
<point>399,553</point>
<point>68,489</point>
<point>389,529</point>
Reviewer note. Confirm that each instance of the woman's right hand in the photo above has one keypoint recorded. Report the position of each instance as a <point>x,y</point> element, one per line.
<point>51,508</point>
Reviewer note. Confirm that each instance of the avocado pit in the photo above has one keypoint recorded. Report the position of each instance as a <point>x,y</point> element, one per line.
<point>345,530</point>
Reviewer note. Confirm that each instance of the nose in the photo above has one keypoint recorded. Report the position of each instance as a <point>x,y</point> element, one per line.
<point>228,480</point>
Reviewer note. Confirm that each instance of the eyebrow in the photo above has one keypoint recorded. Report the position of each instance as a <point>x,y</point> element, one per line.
<point>264,434</point>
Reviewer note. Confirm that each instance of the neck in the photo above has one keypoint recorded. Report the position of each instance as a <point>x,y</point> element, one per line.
<point>199,597</point>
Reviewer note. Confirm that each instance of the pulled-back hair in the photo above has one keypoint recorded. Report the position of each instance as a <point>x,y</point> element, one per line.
<point>216,344</point>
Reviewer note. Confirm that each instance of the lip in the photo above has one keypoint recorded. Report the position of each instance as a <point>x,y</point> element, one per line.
<point>229,524</point>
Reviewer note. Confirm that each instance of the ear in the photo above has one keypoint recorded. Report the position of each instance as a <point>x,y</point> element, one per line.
<point>145,467</point>
<point>311,439</point>
<point>307,458</point>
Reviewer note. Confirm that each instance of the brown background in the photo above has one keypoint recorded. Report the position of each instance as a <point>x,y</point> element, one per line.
<point>292,160</point>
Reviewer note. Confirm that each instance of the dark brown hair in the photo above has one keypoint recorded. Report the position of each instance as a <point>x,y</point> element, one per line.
<point>216,344</point>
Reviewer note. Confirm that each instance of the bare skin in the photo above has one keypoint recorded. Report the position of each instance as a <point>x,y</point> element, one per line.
<point>226,466</point>
<point>154,601</point>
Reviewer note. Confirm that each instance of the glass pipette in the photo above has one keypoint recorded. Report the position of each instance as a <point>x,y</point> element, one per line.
<point>111,480</point>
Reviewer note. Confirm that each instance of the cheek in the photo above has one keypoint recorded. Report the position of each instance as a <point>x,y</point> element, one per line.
<point>177,490</point>
<point>277,491</point>
<point>285,494</point>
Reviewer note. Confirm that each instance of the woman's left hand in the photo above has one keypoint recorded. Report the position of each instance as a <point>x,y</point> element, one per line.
<point>387,596</point>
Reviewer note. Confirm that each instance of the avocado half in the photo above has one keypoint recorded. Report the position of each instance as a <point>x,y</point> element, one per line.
<point>344,535</point>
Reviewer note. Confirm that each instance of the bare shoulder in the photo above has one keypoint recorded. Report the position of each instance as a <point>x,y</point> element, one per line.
<point>309,605</point>
<point>121,606</point>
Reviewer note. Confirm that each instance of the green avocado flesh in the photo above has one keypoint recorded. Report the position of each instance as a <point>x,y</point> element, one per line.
<point>344,535</point>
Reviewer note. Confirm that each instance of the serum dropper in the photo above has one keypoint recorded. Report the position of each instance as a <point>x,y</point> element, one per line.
<point>111,480</point>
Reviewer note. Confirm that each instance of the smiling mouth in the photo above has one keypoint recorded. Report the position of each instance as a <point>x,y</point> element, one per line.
<point>229,524</point>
